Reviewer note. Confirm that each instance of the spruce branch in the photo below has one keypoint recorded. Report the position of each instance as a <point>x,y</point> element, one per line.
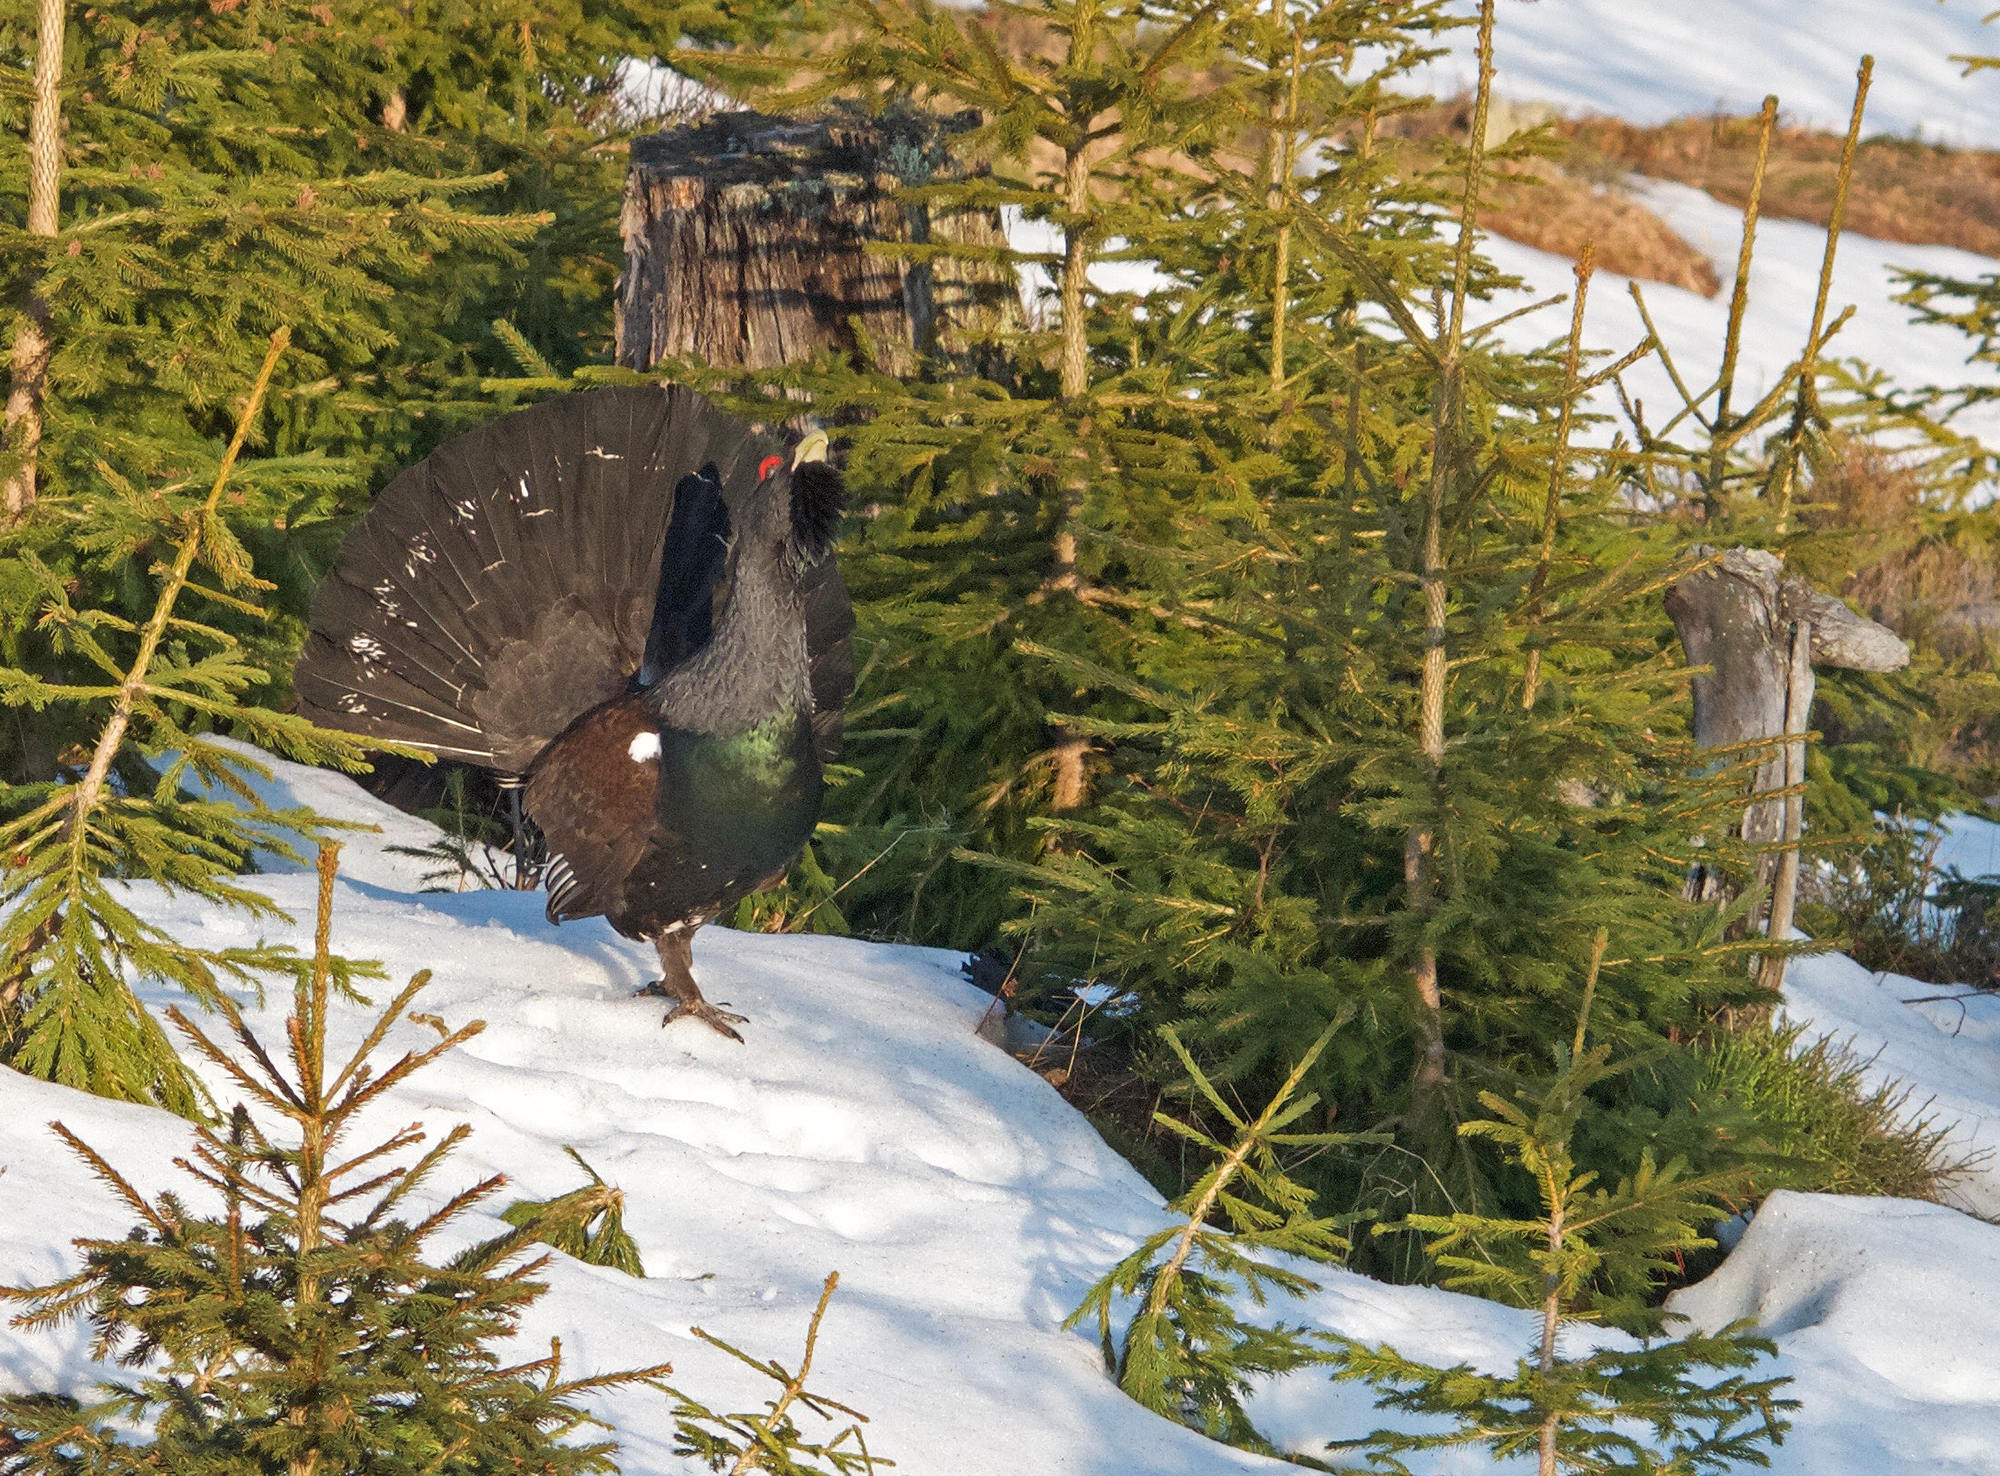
<point>83,801</point>
<point>771,1440</point>
<point>588,1223</point>
<point>1187,1352</point>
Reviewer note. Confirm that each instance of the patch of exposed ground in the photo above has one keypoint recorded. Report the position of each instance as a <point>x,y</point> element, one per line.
<point>1555,202</point>
<point>1903,189</point>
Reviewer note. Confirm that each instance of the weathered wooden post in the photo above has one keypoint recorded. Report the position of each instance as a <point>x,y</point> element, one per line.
<point>748,245</point>
<point>1760,634</point>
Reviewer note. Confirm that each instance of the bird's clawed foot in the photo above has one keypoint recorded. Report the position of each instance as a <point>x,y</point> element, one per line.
<point>678,985</point>
<point>721,1021</point>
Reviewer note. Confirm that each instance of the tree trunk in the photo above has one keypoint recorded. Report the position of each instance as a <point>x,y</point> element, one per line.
<point>33,343</point>
<point>1735,616</point>
<point>747,245</point>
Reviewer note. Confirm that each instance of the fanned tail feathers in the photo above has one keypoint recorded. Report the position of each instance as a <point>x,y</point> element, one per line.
<point>506,584</point>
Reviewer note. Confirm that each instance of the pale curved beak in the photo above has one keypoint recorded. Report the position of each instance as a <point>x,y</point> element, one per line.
<point>812,448</point>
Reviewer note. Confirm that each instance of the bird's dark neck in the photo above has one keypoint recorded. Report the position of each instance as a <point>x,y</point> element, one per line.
<point>754,665</point>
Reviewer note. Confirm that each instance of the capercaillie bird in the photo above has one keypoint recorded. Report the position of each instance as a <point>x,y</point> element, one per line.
<point>626,601</point>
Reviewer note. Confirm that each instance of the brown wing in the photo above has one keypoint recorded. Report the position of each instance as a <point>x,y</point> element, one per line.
<point>592,792</point>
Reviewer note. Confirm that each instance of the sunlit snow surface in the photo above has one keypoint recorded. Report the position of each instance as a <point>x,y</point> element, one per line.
<point>1784,281</point>
<point>1647,62</point>
<point>1887,1316</point>
<point>866,1128</point>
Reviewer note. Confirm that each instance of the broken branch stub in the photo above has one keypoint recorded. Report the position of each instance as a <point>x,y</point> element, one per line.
<point>1735,614</point>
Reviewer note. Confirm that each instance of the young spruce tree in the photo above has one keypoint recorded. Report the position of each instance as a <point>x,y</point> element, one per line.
<point>1428,735</point>
<point>1685,1405</point>
<point>302,1323</point>
<point>149,793</point>
<point>1026,492</point>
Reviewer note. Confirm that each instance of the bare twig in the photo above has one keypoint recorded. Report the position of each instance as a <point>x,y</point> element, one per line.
<point>1739,300</point>
<point>1804,408</point>
<point>1558,471</point>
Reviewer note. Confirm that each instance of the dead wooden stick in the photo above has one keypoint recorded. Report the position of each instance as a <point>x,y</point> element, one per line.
<point>1785,889</point>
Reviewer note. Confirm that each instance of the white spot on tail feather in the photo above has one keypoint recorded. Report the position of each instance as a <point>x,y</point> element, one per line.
<point>645,746</point>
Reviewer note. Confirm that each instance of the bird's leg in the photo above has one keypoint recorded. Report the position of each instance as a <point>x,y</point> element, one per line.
<point>676,982</point>
<point>510,785</point>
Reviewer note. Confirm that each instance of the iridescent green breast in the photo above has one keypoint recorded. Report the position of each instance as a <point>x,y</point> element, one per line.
<point>743,803</point>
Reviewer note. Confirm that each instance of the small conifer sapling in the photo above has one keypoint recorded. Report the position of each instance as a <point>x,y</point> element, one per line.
<point>70,944</point>
<point>297,1323</point>
<point>1688,1405</point>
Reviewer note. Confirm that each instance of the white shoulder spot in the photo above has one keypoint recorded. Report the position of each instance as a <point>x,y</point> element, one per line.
<point>645,746</point>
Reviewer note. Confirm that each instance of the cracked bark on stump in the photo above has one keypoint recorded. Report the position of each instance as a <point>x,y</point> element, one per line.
<point>1740,616</point>
<point>747,245</point>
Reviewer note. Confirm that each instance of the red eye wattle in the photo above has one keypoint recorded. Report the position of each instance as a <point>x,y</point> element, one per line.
<point>768,465</point>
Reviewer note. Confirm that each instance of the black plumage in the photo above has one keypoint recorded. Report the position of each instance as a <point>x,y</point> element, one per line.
<point>628,599</point>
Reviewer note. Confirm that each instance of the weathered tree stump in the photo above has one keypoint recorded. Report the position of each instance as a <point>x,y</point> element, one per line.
<point>747,245</point>
<point>1760,634</point>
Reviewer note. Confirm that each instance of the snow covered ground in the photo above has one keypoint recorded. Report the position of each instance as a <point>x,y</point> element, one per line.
<point>1784,280</point>
<point>1650,62</point>
<point>1943,1039</point>
<point>1886,1313</point>
<point>867,1128</point>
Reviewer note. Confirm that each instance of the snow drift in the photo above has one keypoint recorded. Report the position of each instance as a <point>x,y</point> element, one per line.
<point>867,1128</point>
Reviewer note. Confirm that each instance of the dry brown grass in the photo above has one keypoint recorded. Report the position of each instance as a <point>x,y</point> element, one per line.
<point>1551,205</point>
<point>1540,204</point>
<point>1903,190</point>
<point>1934,582</point>
<point>1926,586</point>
